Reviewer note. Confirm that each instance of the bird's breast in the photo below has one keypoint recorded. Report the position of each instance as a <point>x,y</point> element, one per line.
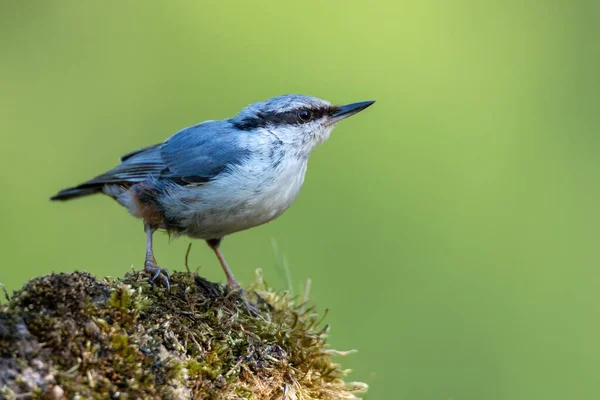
<point>245,196</point>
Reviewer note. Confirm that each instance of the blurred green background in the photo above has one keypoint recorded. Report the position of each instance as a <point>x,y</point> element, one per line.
<point>451,229</point>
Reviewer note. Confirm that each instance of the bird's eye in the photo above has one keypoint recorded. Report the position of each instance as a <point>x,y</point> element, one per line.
<point>304,115</point>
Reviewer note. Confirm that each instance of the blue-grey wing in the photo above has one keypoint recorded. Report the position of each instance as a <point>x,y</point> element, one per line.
<point>193,155</point>
<point>135,167</point>
<point>199,153</point>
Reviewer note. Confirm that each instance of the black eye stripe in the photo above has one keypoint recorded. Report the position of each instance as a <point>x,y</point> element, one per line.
<point>282,118</point>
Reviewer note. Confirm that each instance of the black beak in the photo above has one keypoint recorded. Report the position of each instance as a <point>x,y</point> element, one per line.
<point>348,110</point>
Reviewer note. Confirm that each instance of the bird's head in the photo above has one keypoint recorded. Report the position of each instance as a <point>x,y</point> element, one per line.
<point>300,121</point>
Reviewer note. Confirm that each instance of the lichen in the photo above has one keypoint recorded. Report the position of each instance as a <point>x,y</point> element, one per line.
<point>75,336</point>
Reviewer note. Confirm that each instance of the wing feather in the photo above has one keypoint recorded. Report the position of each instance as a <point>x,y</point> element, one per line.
<point>193,155</point>
<point>136,167</point>
<point>199,153</point>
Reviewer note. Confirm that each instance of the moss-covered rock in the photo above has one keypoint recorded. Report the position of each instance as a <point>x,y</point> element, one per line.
<point>75,336</point>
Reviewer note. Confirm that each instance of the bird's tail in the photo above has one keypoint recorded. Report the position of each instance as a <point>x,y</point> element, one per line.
<point>76,191</point>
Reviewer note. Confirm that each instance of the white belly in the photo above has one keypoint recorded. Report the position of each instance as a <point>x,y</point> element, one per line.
<point>240,199</point>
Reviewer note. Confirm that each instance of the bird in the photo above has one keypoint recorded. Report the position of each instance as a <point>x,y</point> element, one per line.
<point>219,177</point>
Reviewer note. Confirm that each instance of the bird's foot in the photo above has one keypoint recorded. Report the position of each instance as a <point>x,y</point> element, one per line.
<point>233,284</point>
<point>158,273</point>
<point>251,308</point>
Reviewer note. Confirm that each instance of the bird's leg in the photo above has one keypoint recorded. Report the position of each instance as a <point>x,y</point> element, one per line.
<point>150,263</point>
<point>214,244</point>
<point>231,282</point>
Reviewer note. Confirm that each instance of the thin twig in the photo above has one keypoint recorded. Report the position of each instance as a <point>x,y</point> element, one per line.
<point>187,254</point>
<point>306,292</point>
<point>281,262</point>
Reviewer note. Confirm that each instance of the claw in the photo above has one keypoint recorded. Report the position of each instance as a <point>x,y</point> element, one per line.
<point>150,264</point>
<point>158,272</point>
<point>251,308</point>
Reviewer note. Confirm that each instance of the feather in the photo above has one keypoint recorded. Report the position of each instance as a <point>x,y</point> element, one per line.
<point>199,153</point>
<point>193,155</point>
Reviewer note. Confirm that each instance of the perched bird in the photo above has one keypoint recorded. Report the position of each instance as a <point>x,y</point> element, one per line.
<point>220,177</point>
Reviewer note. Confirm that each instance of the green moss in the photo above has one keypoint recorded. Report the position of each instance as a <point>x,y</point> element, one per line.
<point>89,338</point>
